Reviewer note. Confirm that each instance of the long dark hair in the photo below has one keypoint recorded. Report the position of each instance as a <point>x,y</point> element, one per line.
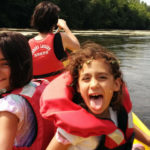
<point>16,50</point>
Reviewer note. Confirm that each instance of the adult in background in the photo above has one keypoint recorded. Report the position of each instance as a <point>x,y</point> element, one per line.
<point>49,48</point>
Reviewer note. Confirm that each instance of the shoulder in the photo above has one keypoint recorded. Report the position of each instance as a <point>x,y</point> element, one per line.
<point>12,99</point>
<point>58,47</point>
<point>31,40</point>
<point>57,37</point>
<point>14,104</point>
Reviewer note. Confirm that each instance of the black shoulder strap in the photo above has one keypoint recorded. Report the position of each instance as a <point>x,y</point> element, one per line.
<point>122,124</point>
<point>58,47</point>
<point>122,116</point>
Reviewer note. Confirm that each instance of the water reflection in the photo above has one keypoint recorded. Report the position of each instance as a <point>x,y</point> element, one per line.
<point>134,54</point>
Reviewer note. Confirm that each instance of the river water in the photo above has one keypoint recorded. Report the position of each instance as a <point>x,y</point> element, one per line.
<point>134,55</point>
<point>133,49</point>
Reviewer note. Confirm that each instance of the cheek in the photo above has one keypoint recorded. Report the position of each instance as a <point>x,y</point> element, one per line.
<point>80,86</point>
<point>109,95</point>
<point>7,71</point>
<point>109,90</point>
<point>82,90</point>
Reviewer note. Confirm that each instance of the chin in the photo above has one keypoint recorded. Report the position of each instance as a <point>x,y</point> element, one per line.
<point>96,112</point>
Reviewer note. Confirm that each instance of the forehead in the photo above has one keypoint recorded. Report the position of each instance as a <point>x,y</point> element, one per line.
<point>95,65</point>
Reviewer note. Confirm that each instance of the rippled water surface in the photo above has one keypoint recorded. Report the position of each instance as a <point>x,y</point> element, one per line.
<point>134,54</point>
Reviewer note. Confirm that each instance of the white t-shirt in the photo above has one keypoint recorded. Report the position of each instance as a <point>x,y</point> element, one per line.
<point>18,106</point>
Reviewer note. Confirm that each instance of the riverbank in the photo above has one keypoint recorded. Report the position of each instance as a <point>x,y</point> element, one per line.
<point>27,32</point>
<point>31,32</point>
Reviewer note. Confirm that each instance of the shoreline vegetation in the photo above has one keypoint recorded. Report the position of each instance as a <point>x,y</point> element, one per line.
<point>101,32</point>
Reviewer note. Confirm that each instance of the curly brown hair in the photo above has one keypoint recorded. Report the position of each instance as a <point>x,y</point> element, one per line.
<point>90,51</point>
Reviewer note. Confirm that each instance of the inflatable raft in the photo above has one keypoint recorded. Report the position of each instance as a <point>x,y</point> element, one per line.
<point>143,127</point>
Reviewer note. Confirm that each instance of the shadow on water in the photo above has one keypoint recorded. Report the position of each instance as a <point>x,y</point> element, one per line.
<point>134,54</point>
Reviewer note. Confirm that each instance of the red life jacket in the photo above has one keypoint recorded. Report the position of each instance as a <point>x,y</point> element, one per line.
<point>45,63</point>
<point>45,128</point>
<point>56,104</point>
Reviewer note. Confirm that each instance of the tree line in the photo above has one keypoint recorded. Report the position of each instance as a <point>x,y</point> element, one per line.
<point>81,14</point>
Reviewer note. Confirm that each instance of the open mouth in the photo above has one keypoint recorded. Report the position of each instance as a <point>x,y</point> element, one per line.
<point>96,96</point>
<point>96,101</point>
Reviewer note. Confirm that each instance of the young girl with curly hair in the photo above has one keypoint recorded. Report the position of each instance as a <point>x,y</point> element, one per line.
<point>90,104</point>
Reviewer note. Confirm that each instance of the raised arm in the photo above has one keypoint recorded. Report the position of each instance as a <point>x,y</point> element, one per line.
<point>69,40</point>
<point>8,128</point>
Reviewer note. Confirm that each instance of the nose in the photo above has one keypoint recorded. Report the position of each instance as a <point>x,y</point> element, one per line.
<point>94,83</point>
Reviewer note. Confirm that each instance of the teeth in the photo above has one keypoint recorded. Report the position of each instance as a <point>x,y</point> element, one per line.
<point>94,95</point>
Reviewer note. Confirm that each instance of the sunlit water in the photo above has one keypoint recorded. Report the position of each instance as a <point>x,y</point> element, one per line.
<point>134,54</point>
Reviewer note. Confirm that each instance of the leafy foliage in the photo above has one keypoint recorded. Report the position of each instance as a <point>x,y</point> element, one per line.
<point>81,14</point>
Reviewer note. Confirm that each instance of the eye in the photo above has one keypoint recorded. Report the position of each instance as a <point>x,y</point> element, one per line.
<point>4,64</point>
<point>102,77</point>
<point>86,78</point>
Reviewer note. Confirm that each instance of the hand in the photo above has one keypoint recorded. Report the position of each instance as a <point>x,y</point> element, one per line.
<point>62,24</point>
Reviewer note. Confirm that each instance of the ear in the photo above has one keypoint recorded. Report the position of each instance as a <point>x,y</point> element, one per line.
<point>117,85</point>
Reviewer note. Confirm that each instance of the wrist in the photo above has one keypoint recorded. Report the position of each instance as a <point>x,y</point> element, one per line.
<point>66,29</point>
